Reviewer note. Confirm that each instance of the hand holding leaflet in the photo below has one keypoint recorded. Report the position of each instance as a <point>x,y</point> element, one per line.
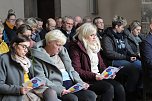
<point>34,83</point>
<point>75,88</point>
<point>109,72</point>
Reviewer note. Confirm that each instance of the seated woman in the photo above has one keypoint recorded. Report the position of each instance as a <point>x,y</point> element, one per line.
<point>52,63</point>
<point>9,27</point>
<point>87,61</point>
<point>15,69</point>
<point>3,46</point>
<point>134,37</point>
<point>27,31</point>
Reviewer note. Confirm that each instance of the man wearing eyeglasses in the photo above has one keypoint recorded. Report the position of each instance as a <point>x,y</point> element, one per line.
<point>67,28</point>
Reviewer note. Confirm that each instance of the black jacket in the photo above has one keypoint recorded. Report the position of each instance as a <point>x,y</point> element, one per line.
<point>110,48</point>
<point>11,33</point>
<point>132,42</point>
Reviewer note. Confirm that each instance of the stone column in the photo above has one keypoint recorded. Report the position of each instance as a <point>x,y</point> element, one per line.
<point>146,13</point>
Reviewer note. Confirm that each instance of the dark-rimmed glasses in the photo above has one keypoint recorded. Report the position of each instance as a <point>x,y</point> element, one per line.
<point>24,46</point>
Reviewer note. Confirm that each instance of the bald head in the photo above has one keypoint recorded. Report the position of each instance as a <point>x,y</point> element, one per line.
<point>77,20</point>
<point>51,24</point>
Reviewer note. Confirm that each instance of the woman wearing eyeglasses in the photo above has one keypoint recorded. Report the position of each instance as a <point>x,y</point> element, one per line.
<point>9,27</point>
<point>16,69</point>
<point>86,59</point>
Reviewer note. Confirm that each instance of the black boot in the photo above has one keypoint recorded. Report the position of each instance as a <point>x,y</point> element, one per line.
<point>130,96</point>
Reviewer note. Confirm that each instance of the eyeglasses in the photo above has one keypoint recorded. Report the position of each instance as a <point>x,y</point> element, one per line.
<point>69,23</point>
<point>24,46</point>
<point>12,20</point>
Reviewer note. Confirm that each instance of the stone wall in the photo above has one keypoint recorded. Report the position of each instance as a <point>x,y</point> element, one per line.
<point>146,13</point>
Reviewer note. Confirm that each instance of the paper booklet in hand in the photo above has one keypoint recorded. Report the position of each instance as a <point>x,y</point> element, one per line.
<point>34,82</point>
<point>109,72</point>
<point>75,88</point>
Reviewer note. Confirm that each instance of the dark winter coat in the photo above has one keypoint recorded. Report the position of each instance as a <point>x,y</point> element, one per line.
<point>132,42</point>
<point>110,48</point>
<point>81,61</point>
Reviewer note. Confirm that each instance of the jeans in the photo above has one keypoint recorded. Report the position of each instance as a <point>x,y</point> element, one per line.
<point>125,63</point>
<point>129,76</point>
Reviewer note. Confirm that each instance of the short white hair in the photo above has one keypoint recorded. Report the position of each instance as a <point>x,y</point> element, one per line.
<point>55,35</point>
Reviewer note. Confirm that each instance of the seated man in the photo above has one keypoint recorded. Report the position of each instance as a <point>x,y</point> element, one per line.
<point>119,53</point>
<point>52,63</point>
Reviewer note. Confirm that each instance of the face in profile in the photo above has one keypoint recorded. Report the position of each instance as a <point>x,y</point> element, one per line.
<point>119,29</point>
<point>100,24</point>
<point>34,28</point>
<point>51,25</point>
<point>21,49</point>
<point>18,24</point>
<point>28,33</point>
<point>136,31</point>
<point>40,25</point>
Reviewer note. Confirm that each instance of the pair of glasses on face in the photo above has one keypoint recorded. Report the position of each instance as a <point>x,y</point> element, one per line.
<point>13,20</point>
<point>24,46</point>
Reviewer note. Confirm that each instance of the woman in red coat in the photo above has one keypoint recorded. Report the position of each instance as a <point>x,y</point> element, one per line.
<point>85,54</point>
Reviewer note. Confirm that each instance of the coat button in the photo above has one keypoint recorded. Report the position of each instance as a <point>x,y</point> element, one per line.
<point>52,72</point>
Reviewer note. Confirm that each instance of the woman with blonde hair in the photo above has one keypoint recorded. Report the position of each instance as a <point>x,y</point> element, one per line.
<point>87,61</point>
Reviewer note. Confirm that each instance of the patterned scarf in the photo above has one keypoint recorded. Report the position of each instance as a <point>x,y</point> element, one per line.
<point>23,61</point>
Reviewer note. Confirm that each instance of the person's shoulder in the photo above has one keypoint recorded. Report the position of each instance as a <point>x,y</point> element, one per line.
<point>108,32</point>
<point>4,56</point>
<point>76,44</point>
<point>148,38</point>
<point>43,32</point>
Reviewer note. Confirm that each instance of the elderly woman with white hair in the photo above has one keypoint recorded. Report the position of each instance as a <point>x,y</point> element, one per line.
<point>87,61</point>
<point>52,63</point>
